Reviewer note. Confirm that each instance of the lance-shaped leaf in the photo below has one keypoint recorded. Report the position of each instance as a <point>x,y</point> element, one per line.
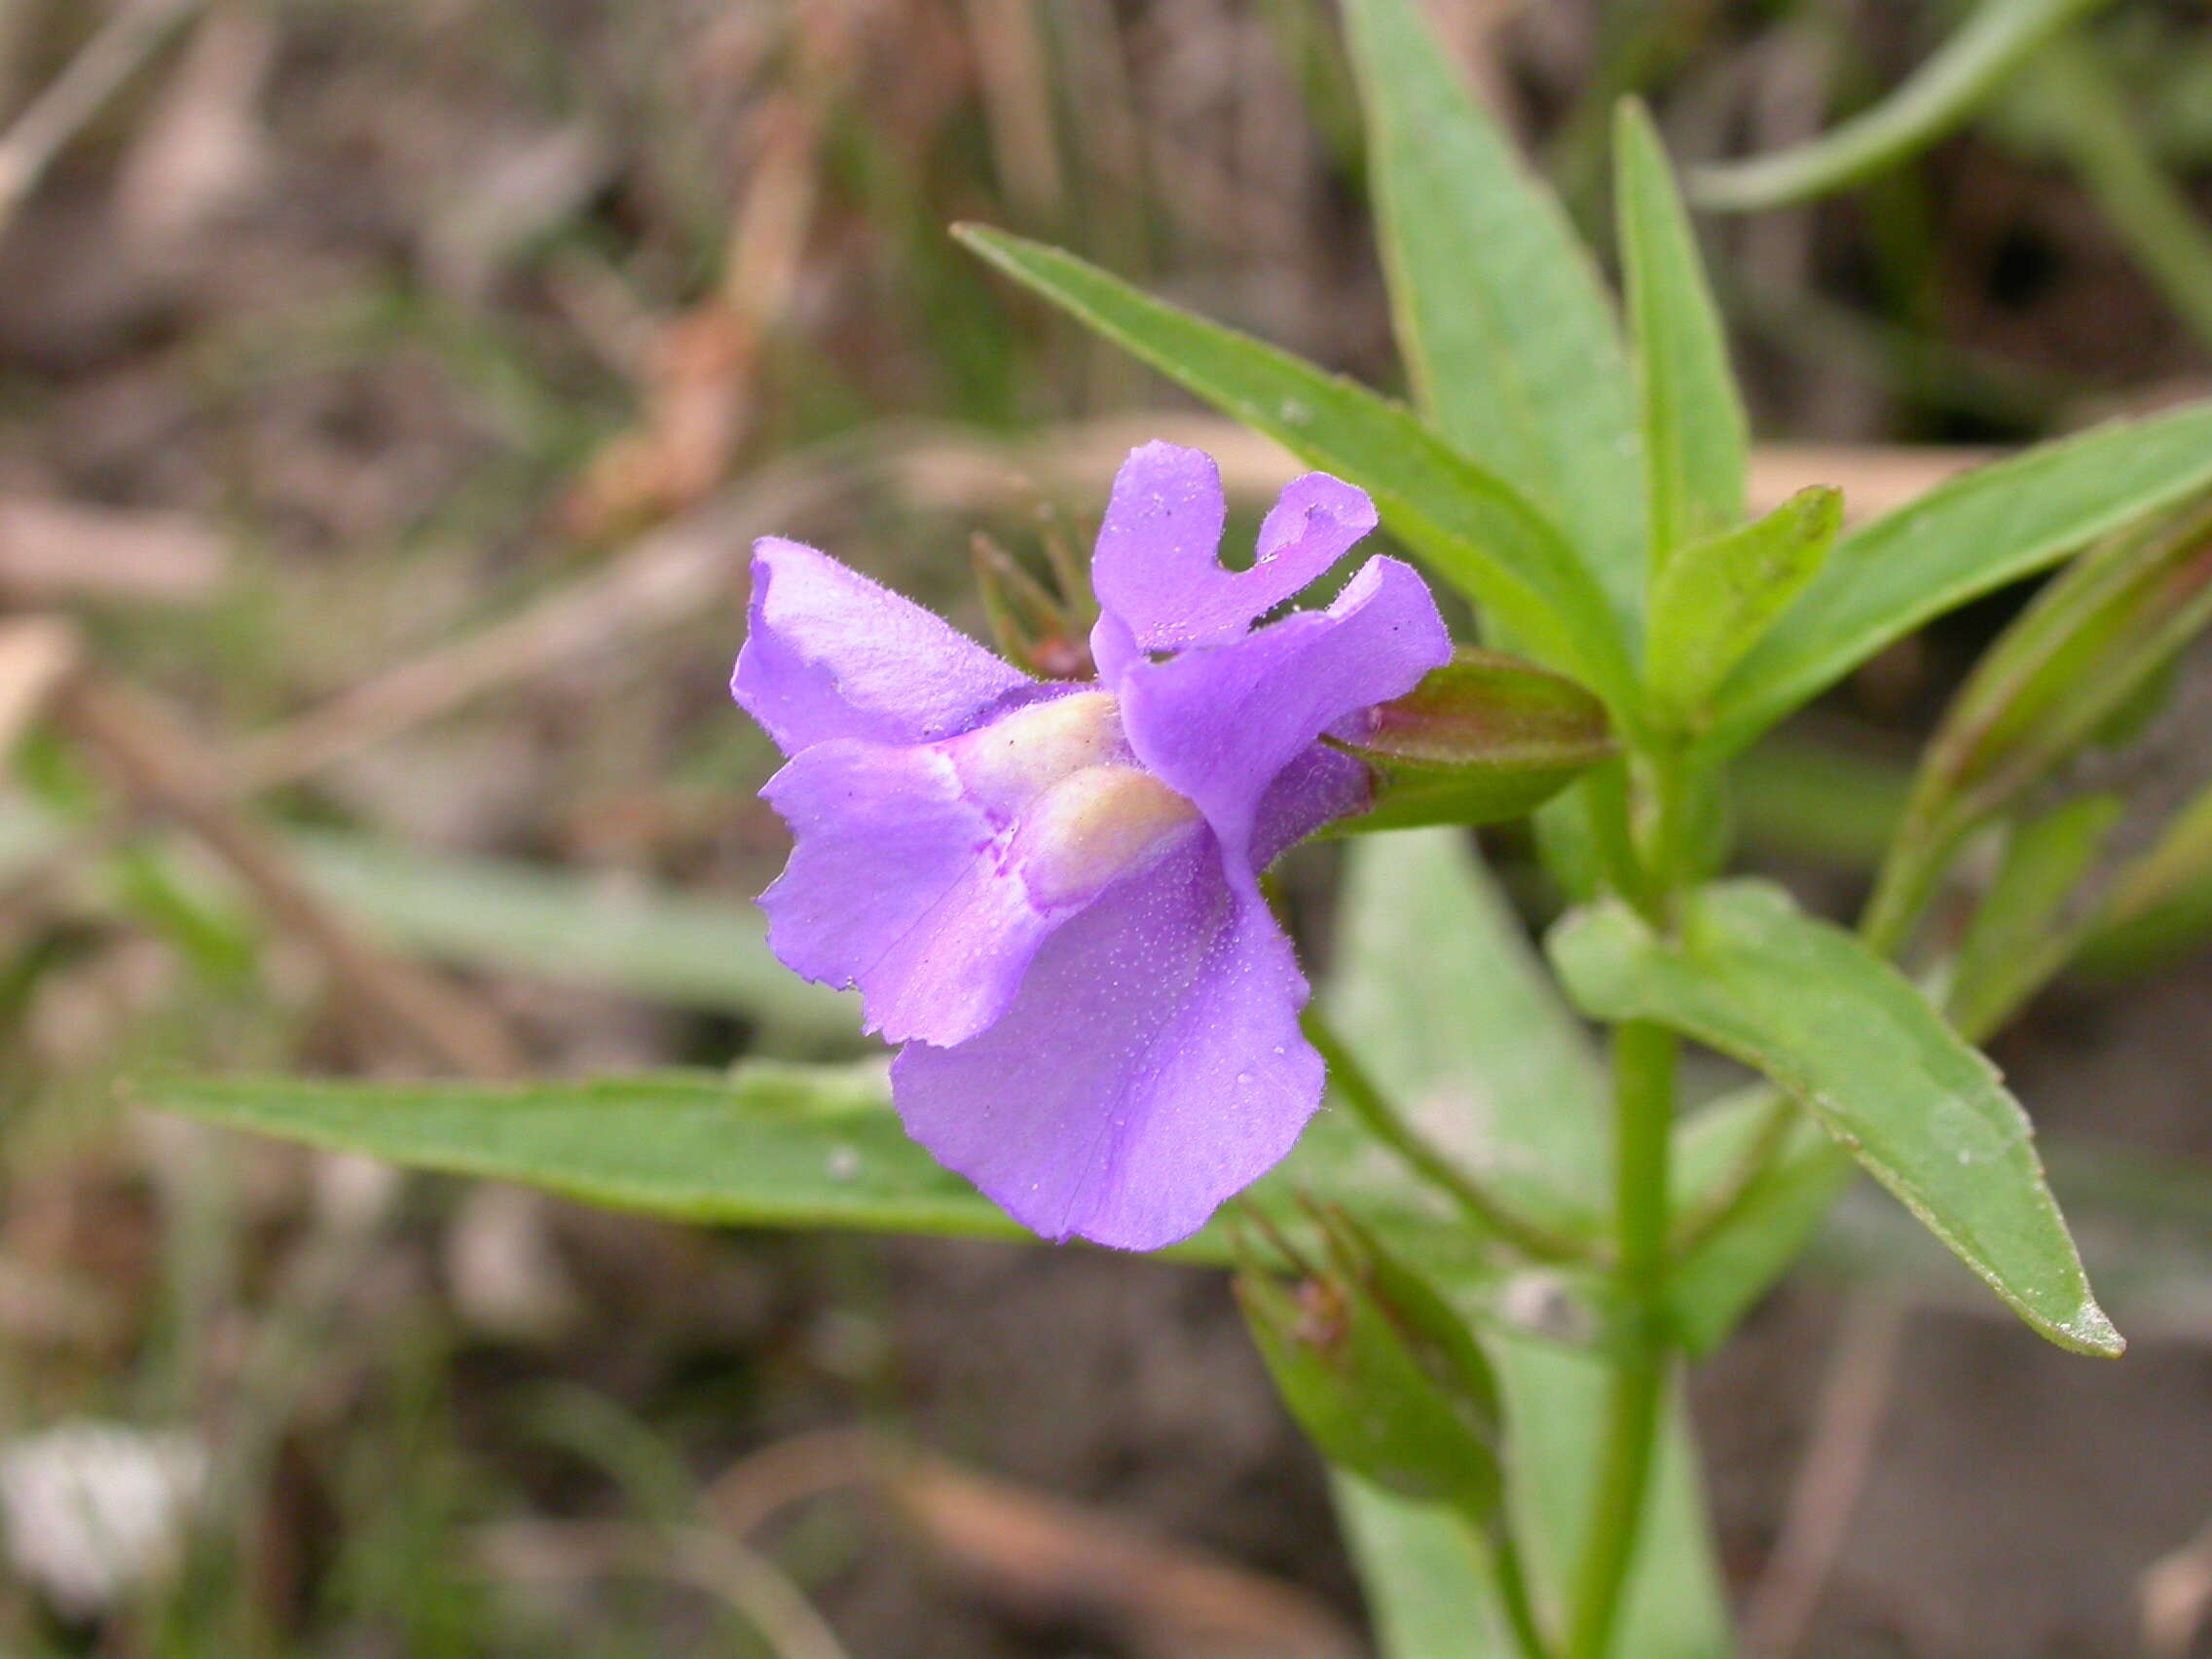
<point>1966,536</point>
<point>1859,1046</point>
<point>1422,1574</point>
<point>1506,329</point>
<point>1470,526</point>
<point>2160,905</point>
<point>2072,663</point>
<point>1696,441</point>
<point>1963,72</point>
<point>2020,935</point>
<point>765,1145</point>
<point>1714,599</point>
<point>1483,738</point>
<point>2077,662</point>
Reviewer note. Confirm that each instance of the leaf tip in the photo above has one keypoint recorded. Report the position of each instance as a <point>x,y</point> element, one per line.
<point>2092,1333</point>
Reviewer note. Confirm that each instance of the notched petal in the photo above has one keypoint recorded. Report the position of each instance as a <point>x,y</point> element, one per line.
<point>1220,726</point>
<point>1157,573</point>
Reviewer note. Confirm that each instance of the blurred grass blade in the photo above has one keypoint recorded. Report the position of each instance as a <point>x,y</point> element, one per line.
<point>2083,110</point>
<point>2081,666</point>
<point>1963,539</point>
<point>2160,907</point>
<point>1506,329</point>
<point>2020,937</point>
<point>1856,1043</point>
<point>1714,600</point>
<point>690,951</point>
<point>1819,799</point>
<point>1436,988</point>
<point>1471,527</point>
<point>647,940</point>
<point>1696,440</point>
<point>1962,74</point>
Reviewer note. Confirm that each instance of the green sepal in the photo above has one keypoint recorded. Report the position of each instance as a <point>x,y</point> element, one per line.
<point>1483,738</point>
<point>1379,1371</point>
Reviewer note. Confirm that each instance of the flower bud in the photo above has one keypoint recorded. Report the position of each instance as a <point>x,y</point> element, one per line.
<point>1379,1372</point>
<point>1485,737</point>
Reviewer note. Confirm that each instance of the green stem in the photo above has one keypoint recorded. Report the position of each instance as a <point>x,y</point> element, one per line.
<point>1357,1088</point>
<point>1513,1592</point>
<point>1643,1074</point>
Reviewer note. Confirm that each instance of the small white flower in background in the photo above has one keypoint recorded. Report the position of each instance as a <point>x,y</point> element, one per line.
<point>94,1510</point>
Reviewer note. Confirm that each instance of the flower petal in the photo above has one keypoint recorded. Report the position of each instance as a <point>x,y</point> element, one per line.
<point>1150,1067</point>
<point>1157,572</point>
<point>1319,786</point>
<point>831,654</point>
<point>1220,725</point>
<point>928,874</point>
<point>891,887</point>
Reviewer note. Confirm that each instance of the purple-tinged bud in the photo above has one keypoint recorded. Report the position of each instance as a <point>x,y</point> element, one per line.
<point>1483,738</point>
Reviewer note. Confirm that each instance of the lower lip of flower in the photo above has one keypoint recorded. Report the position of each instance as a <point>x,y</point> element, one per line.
<point>1095,825</point>
<point>1080,812</point>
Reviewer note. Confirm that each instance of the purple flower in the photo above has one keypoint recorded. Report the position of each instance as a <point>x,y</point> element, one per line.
<point>1049,893</point>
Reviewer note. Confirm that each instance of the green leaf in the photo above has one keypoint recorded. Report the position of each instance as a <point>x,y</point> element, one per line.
<point>1483,738</point>
<point>1774,1217</point>
<point>765,1145</point>
<point>1435,986</point>
<point>2019,937</point>
<point>1714,600</point>
<point>686,949</point>
<point>1963,539</point>
<point>1469,525</point>
<point>2146,1225</point>
<point>2095,638</point>
<point>1696,441</point>
<point>1857,1045</point>
<point>1556,1402</point>
<point>2091,658</point>
<point>1425,1577</point>
<point>1832,803</point>
<point>1506,329</point>
<point>1956,79</point>
<point>2160,907</point>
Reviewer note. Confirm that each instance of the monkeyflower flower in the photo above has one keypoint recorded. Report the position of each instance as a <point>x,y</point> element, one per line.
<point>1049,893</point>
